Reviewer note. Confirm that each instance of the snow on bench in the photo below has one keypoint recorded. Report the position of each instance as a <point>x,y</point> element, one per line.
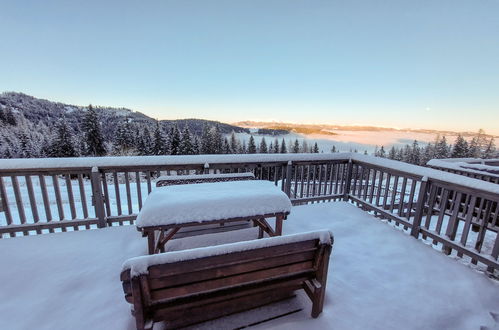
<point>192,286</point>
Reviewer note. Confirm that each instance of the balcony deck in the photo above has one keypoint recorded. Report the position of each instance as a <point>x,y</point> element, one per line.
<point>379,278</point>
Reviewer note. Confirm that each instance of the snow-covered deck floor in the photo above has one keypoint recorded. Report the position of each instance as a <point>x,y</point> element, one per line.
<point>379,278</point>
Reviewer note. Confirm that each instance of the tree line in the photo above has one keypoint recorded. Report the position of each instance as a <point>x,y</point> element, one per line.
<point>20,139</point>
<point>480,146</point>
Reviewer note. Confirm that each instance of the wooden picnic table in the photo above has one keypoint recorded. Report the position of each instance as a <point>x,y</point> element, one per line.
<point>171,208</point>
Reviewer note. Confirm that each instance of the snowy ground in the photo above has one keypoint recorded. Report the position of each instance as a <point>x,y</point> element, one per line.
<point>379,278</point>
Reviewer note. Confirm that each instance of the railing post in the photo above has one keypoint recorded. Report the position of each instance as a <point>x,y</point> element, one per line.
<point>416,223</point>
<point>97,198</point>
<point>348,182</point>
<point>289,168</point>
<point>206,168</point>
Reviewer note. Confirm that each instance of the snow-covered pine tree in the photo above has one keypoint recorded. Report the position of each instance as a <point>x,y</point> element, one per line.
<point>124,141</point>
<point>415,153</point>
<point>145,144</point>
<point>174,140</point>
<point>304,146</point>
<point>62,144</point>
<point>275,147</point>
<point>315,150</point>
<point>283,149</point>
<point>460,149</point>
<point>186,144</point>
<point>10,119</point>
<point>392,154</point>
<point>234,143</point>
<point>333,149</point>
<point>159,146</point>
<point>206,140</point>
<point>217,140</point>
<point>441,149</point>
<point>251,145</point>
<point>226,146</point>
<point>490,150</point>
<point>271,147</point>
<point>242,148</point>
<point>93,137</point>
<point>263,146</point>
<point>296,147</point>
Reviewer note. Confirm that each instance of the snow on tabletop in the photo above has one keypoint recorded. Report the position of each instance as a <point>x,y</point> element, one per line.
<point>140,265</point>
<point>204,176</point>
<point>211,201</point>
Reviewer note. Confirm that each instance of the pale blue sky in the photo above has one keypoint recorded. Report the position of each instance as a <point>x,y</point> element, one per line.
<point>420,64</point>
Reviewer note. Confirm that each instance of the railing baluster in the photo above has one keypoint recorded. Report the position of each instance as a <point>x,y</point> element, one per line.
<point>46,202</point>
<point>19,201</point>
<point>32,201</point>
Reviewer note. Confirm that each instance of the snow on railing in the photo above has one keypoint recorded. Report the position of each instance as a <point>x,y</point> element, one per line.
<point>482,169</point>
<point>456,213</point>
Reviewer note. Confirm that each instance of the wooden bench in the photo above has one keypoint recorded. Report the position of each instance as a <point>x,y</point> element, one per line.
<point>192,286</point>
<point>169,180</point>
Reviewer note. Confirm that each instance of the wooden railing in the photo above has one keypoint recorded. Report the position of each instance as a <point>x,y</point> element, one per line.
<point>468,170</point>
<point>457,215</point>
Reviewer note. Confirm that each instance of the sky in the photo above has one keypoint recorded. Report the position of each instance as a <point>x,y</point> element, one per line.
<point>393,63</point>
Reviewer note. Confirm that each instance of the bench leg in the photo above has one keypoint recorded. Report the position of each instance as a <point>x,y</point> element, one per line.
<point>150,242</point>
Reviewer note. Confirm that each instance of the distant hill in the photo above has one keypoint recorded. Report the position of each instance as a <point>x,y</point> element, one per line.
<point>40,111</point>
<point>329,129</point>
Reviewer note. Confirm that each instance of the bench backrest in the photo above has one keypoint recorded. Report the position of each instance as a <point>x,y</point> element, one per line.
<point>170,180</point>
<point>296,261</point>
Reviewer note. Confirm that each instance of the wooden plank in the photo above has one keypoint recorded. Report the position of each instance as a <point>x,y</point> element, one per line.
<point>47,225</point>
<point>128,193</point>
<point>394,194</point>
<point>148,178</point>
<point>467,224</point>
<point>106,193</point>
<point>69,190</point>
<point>401,209</point>
<point>5,203</point>
<point>234,269</point>
<point>387,189</point>
<point>83,197</point>
<point>229,281</point>
<point>299,201</point>
<point>46,202</point>
<point>32,200</point>
<point>139,189</point>
<point>58,198</point>
<point>19,200</point>
<point>373,186</point>
<point>380,211</point>
<point>117,193</point>
<point>452,224</point>
<point>441,213</point>
<point>201,264</point>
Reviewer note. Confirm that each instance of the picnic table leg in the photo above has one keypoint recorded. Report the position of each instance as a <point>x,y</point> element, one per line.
<point>278,225</point>
<point>150,241</point>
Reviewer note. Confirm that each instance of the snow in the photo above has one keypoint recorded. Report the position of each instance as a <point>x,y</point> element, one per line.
<point>466,166</point>
<point>140,265</point>
<point>204,176</point>
<point>211,201</point>
<point>379,278</point>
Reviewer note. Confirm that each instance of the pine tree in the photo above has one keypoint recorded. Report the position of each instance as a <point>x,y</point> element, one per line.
<point>333,149</point>
<point>315,150</point>
<point>226,147</point>
<point>304,146</point>
<point>251,145</point>
<point>415,153</point>
<point>145,143</point>
<point>124,142</point>
<point>234,143</point>
<point>174,140</point>
<point>196,145</point>
<point>392,154</point>
<point>296,147</point>
<point>206,141</point>
<point>186,145</point>
<point>93,137</point>
<point>441,148</point>
<point>217,140</point>
<point>62,144</point>
<point>10,119</point>
<point>275,148</point>
<point>427,154</point>
<point>460,149</point>
<point>159,146</point>
<point>490,151</point>
<point>242,148</point>
<point>474,148</point>
<point>283,149</point>
<point>263,146</point>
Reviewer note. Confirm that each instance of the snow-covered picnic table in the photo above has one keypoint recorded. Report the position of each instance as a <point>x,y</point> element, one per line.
<point>168,209</point>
